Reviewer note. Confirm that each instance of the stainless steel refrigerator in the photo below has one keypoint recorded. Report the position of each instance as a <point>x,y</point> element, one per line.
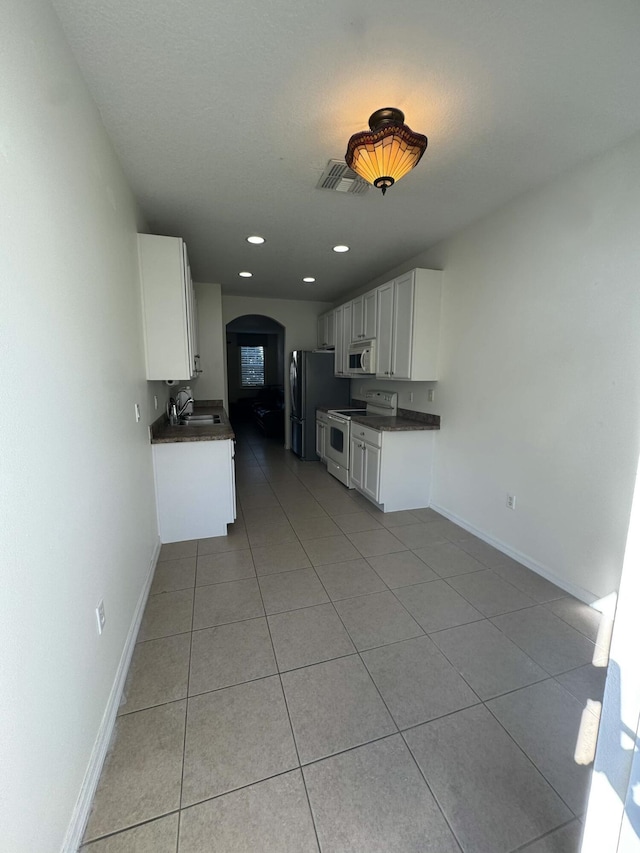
<point>312,384</point>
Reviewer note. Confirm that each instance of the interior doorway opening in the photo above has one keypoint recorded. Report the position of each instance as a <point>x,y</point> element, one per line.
<point>256,373</point>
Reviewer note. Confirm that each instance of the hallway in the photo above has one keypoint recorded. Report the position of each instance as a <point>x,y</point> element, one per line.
<point>329,677</point>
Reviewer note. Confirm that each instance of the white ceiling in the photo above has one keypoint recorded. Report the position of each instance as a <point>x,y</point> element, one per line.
<point>224,115</point>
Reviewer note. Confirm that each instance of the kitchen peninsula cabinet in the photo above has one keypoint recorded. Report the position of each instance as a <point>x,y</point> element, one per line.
<point>168,308</point>
<point>393,469</point>
<point>195,489</point>
<point>408,326</point>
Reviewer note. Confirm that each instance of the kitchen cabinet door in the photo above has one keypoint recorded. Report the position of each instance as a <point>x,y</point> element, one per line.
<point>346,337</point>
<point>168,307</point>
<point>321,431</point>
<point>371,472</point>
<point>357,319</point>
<point>363,317</point>
<point>356,470</point>
<point>339,357</point>
<point>323,328</point>
<point>369,321</point>
<point>402,327</point>
<point>384,329</point>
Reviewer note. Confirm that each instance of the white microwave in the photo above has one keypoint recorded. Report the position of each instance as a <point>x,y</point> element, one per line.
<point>362,357</point>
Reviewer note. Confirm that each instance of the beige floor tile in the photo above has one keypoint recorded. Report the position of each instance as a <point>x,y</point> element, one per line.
<point>375,620</point>
<point>178,550</point>
<point>158,673</point>
<point>396,519</point>
<point>167,613</point>
<point>418,535</point>
<point>174,574</point>
<point>271,534</point>
<point>229,566</point>
<point>333,549</point>
<point>271,817</point>
<point>334,706</point>
<point>315,528</point>
<point>401,569</point>
<point>255,516</point>
<point>158,836</point>
<point>291,590</point>
<point>372,799</point>
<point>493,797</point>
<point>230,654</point>
<point>345,580</point>
<point>356,522</point>
<point>217,604</point>
<point>236,736</point>
<point>448,560</point>
<point>142,773</point>
<point>235,540</point>
<point>310,635</point>
<point>269,559</point>
<point>370,543</point>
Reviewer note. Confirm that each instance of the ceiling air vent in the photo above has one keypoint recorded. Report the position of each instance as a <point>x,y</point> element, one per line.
<point>340,178</point>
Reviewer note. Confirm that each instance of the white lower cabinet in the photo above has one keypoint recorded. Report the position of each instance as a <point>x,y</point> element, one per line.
<point>392,468</point>
<point>195,489</point>
<point>365,466</point>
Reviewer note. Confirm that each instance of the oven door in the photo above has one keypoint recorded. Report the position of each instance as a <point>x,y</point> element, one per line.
<point>337,441</point>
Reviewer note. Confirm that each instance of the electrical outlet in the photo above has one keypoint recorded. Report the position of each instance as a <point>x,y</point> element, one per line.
<point>511,501</point>
<point>155,402</point>
<point>137,410</point>
<point>100,617</point>
<point>430,395</point>
<point>411,396</point>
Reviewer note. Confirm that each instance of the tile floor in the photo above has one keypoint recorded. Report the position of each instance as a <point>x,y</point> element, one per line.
<point>328,677</point>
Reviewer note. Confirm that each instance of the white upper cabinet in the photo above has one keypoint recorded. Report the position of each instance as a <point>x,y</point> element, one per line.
<point>168,308</point>
<point>408,326</point>
<point>326,330</point>
<point>363,317</point>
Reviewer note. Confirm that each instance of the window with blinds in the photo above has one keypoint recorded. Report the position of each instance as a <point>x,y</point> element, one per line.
<point>251,366</point>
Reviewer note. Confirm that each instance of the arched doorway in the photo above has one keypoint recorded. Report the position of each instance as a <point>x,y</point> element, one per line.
<point>256,373</point>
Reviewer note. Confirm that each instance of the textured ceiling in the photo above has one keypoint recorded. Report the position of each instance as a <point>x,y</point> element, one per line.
<point>225,114</point>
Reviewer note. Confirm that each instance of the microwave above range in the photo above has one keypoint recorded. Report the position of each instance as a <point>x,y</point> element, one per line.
<point>362,357</point>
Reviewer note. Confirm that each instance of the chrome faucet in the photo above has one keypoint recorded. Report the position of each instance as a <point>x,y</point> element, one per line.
<point>184,406</point>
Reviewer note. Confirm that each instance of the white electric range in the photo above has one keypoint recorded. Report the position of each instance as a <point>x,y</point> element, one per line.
<point>338,422</point>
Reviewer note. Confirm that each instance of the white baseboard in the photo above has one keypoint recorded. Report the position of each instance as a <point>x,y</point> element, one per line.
<point>82,808</point>
<point>529,562</point>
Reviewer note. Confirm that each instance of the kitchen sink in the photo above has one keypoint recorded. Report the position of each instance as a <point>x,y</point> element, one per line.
<point>200,420</point>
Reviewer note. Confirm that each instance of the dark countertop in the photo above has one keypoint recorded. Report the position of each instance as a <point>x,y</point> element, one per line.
<point>405,421</point>
<point>163,433</point>
<point>393,424</point>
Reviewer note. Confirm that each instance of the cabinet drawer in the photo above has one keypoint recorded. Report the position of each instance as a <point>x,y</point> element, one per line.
<point>363,433</point>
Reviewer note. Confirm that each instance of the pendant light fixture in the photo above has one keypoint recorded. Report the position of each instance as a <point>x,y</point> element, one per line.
<point>387,152</point>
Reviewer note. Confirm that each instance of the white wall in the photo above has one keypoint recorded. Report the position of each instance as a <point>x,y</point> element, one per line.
<point>539,389</point>
<point>299,318</point>
<point>76,494</point>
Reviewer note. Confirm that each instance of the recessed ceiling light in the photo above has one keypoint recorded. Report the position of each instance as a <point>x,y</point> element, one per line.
<point>340,248</point>
<point>255,239</point>
<point>309,279</point>
<point>245,274</point>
